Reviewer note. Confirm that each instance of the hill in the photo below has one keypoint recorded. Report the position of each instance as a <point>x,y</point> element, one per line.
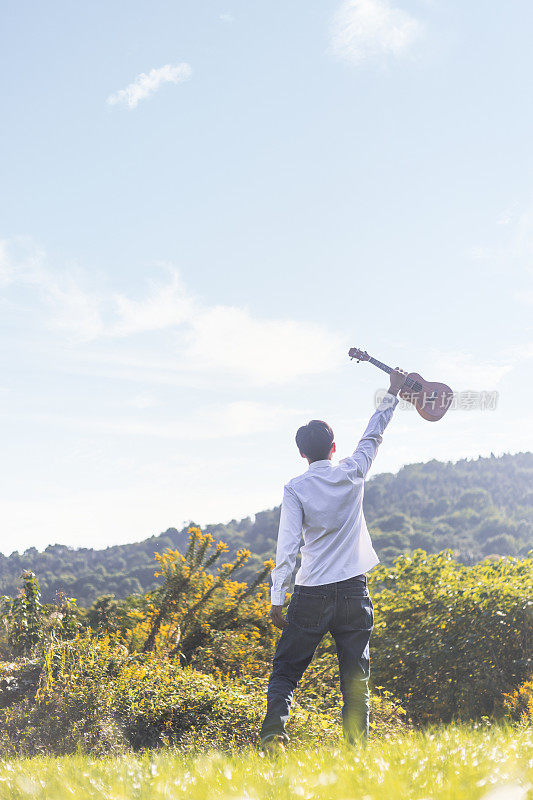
<point>476,507</point>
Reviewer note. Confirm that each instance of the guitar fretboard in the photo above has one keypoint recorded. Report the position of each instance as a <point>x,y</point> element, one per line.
<point>409,382</point>
<point>380,365</point>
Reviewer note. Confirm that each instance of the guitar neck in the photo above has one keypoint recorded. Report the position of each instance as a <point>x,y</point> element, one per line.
<point>409,382</point>
<point>380,365</point>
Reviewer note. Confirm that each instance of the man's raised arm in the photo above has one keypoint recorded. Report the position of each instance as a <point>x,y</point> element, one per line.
<point>366,450</point>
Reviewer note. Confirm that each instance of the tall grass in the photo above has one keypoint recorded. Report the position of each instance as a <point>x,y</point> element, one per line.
<point>442,763</point>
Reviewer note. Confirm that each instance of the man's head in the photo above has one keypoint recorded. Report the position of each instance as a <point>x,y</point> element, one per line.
<point>315,440</point>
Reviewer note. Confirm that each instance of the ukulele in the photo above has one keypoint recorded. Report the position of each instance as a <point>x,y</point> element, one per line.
<point>431,400</point>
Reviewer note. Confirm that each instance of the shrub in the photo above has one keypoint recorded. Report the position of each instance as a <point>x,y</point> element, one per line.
<point>29,626</point>
<point>319,691</point>
<point>193,604</point>
<point>94,697</point>
<point>23,616</point>
<point>450,640</point>
<point>518,705</point>
<point>187,663</point>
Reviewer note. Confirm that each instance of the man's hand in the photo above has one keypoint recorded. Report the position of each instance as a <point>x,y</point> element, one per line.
<point>277,617</point>
<point>397,380</point>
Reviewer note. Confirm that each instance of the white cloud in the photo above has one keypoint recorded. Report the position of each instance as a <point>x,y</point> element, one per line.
<point>145,84</point>
<point>510,251</point>
<point>363,30</point>
<point>194,338</point>
<point>463,371</point>
<point>74,309</point>
<point>167,305</point>
<point>143,401</point>
<point>481,253</point>
<point>505,218</point>
<point>514,239</point>
<point>207,423</point>
<point>266,350</point>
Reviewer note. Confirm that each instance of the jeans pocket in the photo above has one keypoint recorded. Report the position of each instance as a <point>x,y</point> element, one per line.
<point>358,612</point>
<point>307,610</point>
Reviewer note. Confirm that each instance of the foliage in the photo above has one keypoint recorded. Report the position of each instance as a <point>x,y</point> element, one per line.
<point>450,640</point>
<point>186,664</point>
<point>112,616</point>
<point>94,697</point>
<point>475,507</point>
<point>446,762</point>
<point>23,616</point>
<point>518,705</point>
<point>29,625</point>
<point>186,617</point>
<point>195,603</point>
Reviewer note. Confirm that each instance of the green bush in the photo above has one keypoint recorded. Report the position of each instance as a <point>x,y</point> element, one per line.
<point>92,696</point>
<point>29,626</point>
<point>450,640</point>
<point>518,705</point>
<point>451,643</point>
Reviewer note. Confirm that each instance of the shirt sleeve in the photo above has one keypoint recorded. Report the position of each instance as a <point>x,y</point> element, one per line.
<point>365,452</point>
<point>289,535</point>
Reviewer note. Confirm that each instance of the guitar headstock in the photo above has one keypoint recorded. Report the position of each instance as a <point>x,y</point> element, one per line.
<point>360,355</point>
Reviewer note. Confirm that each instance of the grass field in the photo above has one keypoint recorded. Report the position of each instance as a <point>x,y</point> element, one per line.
<point>446,763</point>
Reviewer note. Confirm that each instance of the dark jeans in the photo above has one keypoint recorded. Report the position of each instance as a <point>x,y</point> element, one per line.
<point>345,609</point>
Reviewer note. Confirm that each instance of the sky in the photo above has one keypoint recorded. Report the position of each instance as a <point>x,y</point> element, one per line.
<point>205,203</point>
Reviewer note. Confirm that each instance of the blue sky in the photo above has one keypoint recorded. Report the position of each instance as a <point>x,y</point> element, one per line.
<point>204,204</point>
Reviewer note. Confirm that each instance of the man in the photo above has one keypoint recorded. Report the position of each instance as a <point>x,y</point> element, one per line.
<point>330,593</point>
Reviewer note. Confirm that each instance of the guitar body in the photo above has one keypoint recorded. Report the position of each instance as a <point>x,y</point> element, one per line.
<point>432,401</point>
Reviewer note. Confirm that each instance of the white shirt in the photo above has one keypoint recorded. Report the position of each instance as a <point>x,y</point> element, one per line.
<point>326,505</point>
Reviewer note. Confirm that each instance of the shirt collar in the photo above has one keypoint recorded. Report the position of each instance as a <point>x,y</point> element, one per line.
<point>325,462</point>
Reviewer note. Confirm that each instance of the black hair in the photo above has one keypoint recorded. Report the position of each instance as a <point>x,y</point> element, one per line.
<point>314,440</point>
